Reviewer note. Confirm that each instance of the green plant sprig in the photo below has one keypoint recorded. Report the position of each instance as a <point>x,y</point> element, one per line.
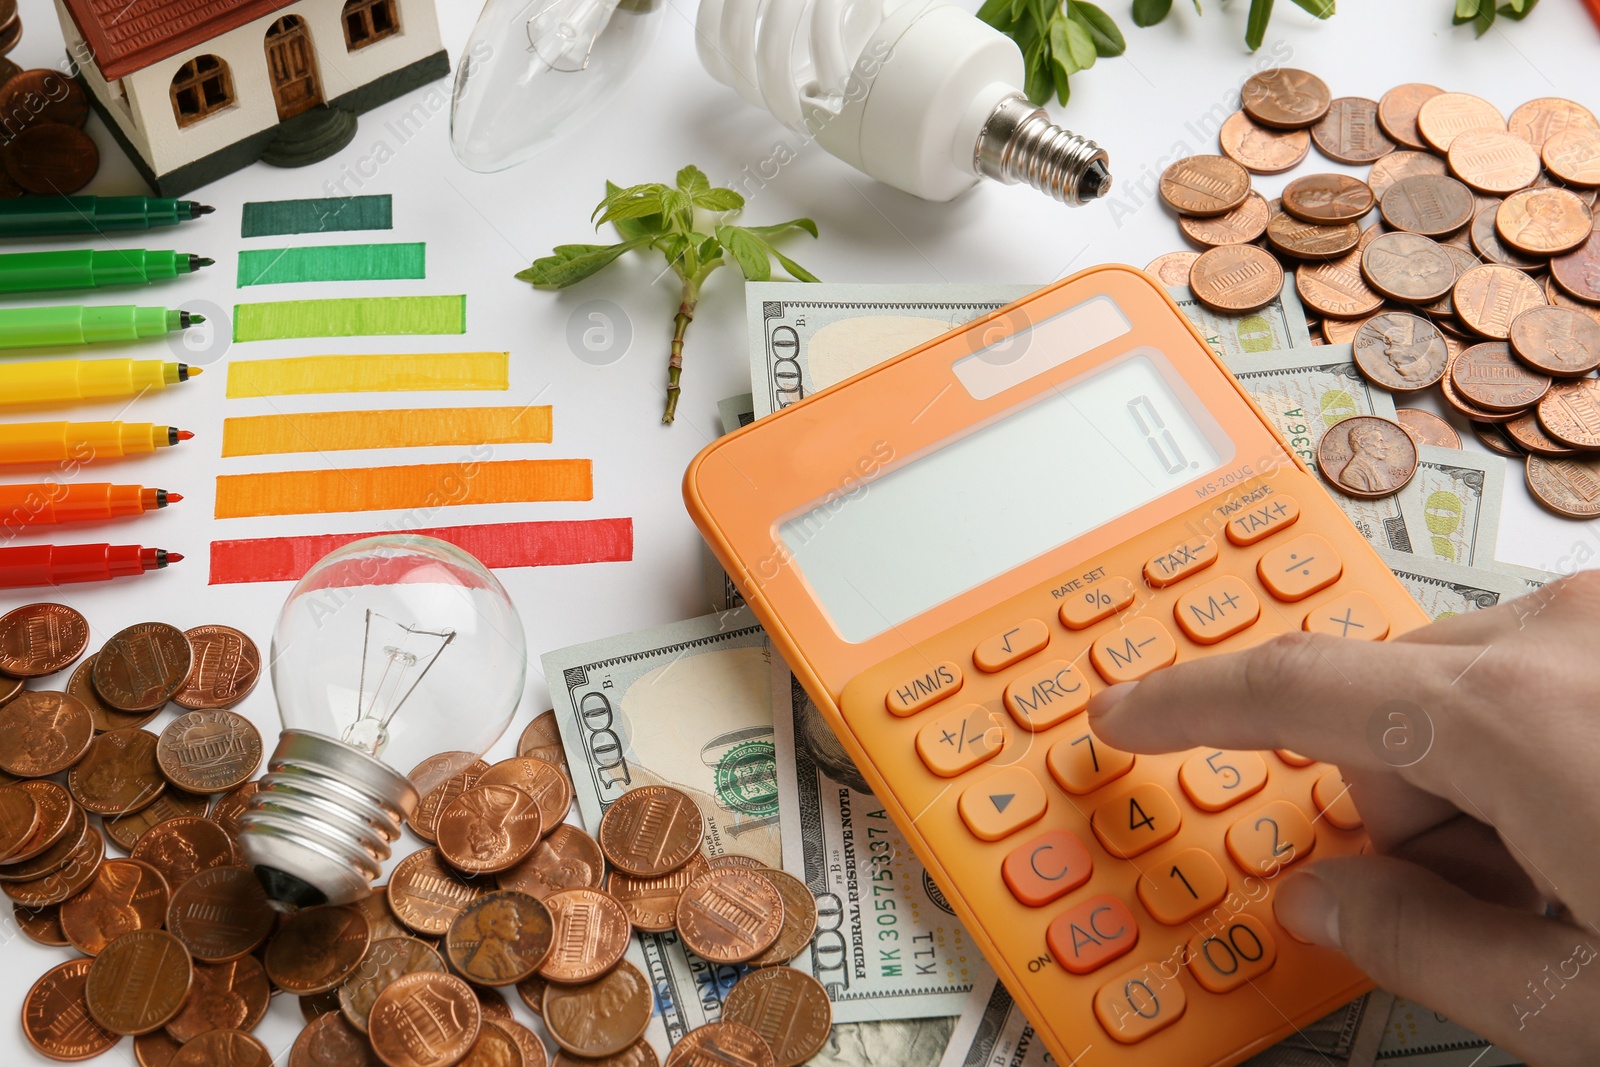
<point>666,218</point>
<point>1057,39</point>
<point>1481,13</point>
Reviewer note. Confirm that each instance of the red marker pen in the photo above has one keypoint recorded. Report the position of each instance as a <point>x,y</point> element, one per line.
<point>60,564</point>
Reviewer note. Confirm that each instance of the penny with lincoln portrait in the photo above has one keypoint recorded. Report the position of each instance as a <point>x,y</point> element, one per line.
<point>55,816</point>
<point>500,938</point>
<point>43,732</point>
<point>125,895</point>
<point>317,948</point>
<point>119,773</point>
<point>182,847</point>
<point>330,1041</point>
<point>1558,341</point>
<point>225,996</point>
<point>1400,351</point>
<point>601,1018</point>
<point>488,828</point>
<point>1367,456</point>
<point>541,780</point>
<point>567,858</point>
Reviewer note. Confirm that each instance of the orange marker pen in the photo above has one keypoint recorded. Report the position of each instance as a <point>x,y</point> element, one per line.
<point>48,503</point>
<point>83,442</point>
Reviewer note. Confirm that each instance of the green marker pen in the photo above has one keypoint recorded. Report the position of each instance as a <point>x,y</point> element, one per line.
<point>32,327</point>
<point>34,272</point>
<point>44,216</point>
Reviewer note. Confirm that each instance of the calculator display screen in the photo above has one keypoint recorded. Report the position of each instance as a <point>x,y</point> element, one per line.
<point>1069,461</point>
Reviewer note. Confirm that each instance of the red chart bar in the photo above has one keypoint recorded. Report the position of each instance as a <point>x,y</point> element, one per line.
<point>504,544</point>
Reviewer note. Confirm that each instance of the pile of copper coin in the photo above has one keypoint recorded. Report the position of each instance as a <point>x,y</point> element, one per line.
<point>43,148</point>
<point>1481,276</point>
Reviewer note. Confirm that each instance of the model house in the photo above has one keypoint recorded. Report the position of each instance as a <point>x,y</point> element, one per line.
<point>195,89</point>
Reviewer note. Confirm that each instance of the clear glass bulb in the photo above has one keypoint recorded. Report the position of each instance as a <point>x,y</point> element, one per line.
<point>535,69</point>
<point>396,662</point>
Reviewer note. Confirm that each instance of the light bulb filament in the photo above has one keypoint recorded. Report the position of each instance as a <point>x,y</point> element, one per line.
<point>395,681</point>
<point>557,31</point>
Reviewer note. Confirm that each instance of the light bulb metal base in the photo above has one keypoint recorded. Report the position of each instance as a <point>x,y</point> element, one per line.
<point>1019,143</point>
<point>322,821</point>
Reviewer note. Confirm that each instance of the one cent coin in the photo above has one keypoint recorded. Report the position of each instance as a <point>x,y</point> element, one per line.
<point>531,991</point>
<point>652,903</point>
<point>119,773</point>
<point>225,666</point>
<point>735,859</point>
<point>1366,456</point>
<point>799,920</point>
<point>527,1042</point>
<point>155,1049</point>
<point>1408,267</point>
<point>1490,377</point>
<point>315,1007</point>
<point>139,982</point>
<point>124,896</point>
<point>1544,222</point>
<point>125,830</point>
<point>142,666</point>
<point>1397,113</point>
<point>1488,299</point>
<point>1574,157</point>
<point>491,1003</point>
<point>542,780</point>
<point>601,1018</point>
<point>500,938</point>
<point>427,896</point>
<point>493,1048</point>
<point>1262,150</point>
<point>209,751</point>
<point>43,732</point>
<point>1537,121</point>
<point>42,94</point>
<point>56,1020</point>
<point>229,807</point>
<point>226,996</point>
<point>221,913</point>
<point>1397,165</point>
<point>1556,341</point>
<point>1561,298</point>
<point>1204,185</point>
<point>425,1019</point>
<point>638,1054</point>
<point>1350,133</point>
<point>386,961</point>
<point>375,908</point>
<point>51,159</point>
<point>1285,98</point>
<point>1485,239</point>
<point>317,948</point>
<point>330,1041</point>
<point>654,829</point>
<point>67,881</point>
<point>1430,204</point>
<point>541,739</point>
<point>1570,413</point>
<point>40,639</point>
<point>1172,269</point>
<point>488,828</point>
<point>1530,436</point>
<point>567,858</point>
<point>19,817</point>
<point>1327,198</point>
<point>1240,226</point>
<point>222,1048</point>
<point>1312,240</point>
<point>1578,272</point>
<point>1569,486</point>
<point>1443,118</point>
<point>1496,440</point>
<point>81,687</point>
<point>181,848</point>
<point>730,916</point>
<point>788,1008</point>
<point>728,1043</point>
<point>1337,289</point>
<point>1426,427</point>
<point>9,688</point>
<point>591,932</point>
<point>425,820</point>
<point>41,925</point>
<point>55,856</point>
<point>1232,279</point>
<point>1493,161</point>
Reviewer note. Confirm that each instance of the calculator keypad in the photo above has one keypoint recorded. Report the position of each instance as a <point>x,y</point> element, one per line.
<point>1003,803</point>
<point>1182,886</point>
<point>1046,868</point>
<point>1011,645</point>
<point>923,689</point>
<point>1090,935</point>
<point>1136,821</point>
<point>1130,653</point>
<point>1041,699</point>
<point>958,741</point>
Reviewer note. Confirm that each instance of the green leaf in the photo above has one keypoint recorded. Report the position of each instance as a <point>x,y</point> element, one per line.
<point>995,12</point>
<point>1061,54</point>
<point>573,263</point>
<point>1080,42</point>
<point>1150,12</point>
<point>1511,12</point>
<point>718,200</point>
<point>796,271</point>
<point>1466,11</point>
<point>1038,85</point>
<point>1255,29</point>
<point>1058,75</point>
<point>636,202</point>
<point>647,226</point>
<point>693,180</point>
<point>1108,39</point>
<point>1197,10</point>
<point>748,250</point>
<point>1320,8</point>
<point>781,228</point>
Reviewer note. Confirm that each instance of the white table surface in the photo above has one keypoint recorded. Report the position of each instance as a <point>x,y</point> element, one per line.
<point>1145,108</point>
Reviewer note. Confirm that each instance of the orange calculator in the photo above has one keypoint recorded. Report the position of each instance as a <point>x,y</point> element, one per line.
<point>955,548</point>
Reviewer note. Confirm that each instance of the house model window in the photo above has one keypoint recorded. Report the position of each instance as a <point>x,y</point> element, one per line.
<point>368,21</point>
<point>200,88</point>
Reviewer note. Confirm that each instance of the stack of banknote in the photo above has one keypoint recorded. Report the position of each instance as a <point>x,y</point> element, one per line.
<point>709,706</point>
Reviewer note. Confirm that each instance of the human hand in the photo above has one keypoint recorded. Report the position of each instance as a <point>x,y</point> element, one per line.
<point>1471,748</point>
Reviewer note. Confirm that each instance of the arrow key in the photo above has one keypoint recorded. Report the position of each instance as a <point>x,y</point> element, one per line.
<point>1002,803</point>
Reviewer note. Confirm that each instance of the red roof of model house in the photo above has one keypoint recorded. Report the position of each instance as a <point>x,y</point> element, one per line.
<point>128,35</point>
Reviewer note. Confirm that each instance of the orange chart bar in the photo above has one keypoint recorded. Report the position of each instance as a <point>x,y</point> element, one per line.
<point>428,485</point>
<point>337,431</point>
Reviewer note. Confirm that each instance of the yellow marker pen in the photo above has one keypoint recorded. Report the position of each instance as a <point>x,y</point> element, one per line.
<point>67,381</point>
<point>57,442</point>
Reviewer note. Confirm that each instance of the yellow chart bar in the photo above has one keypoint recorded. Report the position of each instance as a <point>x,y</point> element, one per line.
<point>337,431</point>
<point>396,373</point>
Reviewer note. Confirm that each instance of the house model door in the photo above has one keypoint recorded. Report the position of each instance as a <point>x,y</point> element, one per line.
<point>292,65</point>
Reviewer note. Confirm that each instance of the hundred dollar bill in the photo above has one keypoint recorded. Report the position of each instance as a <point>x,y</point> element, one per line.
<point>1419,1037</point>
<point>1446,589</point>
<point>736,411</point>
<point>1532,578</point>
<point>1452,504</point>
<point>887,944</point>
<point>1304,393</point>
<point>805,338</point>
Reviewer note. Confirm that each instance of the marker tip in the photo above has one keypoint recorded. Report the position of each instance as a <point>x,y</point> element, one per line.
<point>174,557</point>
<point>173,498</point>
<point>186,435</point>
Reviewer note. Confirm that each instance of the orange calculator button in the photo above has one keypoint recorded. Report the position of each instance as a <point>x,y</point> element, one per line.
<point>1263,519</point>
<point>1180,561</point>
<point>913,694</point>
<point>1298,568</point>
<point>1002,803</point>
<point>1136,821</point>
<point>957,742</point>
<point>1332,797</point>
<point>1294,759</point>
<point>1271,838</point>
<point>1092,934</point>
<point>1047,867</point>
<point>1241,952</point>
<point>1355,614</point>
<point>1048,696</point>
<point>1214,779</point>
<point>1101,600</point>
<point>1182,886</point>
<point>1081,763</point>
<point>1007,647</point>
<point>1216,610</point>
<point>1133,651</point>
<point>1138,1003</point>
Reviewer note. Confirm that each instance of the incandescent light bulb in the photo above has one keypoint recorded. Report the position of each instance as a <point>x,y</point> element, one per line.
<point>396,662</point>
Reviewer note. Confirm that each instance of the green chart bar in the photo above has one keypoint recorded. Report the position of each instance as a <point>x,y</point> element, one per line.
<point>332,263</point>
<point>382,316</point>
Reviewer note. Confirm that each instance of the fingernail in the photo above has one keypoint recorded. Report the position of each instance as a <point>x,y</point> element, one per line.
<point>1308,909</point>
<point>1106,700</point>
